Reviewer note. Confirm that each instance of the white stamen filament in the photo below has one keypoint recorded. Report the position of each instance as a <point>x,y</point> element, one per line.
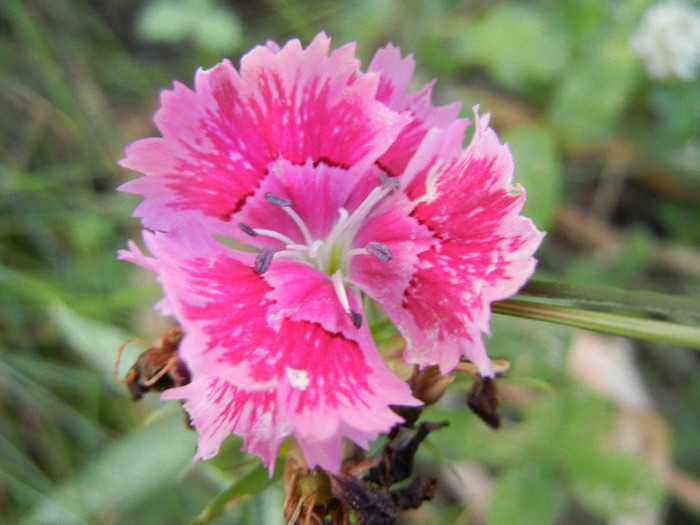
<point>292,254</point>
<point>355,251</point>
<point>315,247</point>
<point>340,291</point>
<point>300,223</point>
<point>348,225</point>
<point>275,235</point>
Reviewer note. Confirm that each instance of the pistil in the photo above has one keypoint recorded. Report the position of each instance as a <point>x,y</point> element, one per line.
<point>331,255</point>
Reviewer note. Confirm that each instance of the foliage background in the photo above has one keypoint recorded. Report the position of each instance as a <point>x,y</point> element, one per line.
<point>597,429</point>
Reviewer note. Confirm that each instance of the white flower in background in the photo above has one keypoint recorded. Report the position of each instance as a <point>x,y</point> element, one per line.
<point>668,40</point>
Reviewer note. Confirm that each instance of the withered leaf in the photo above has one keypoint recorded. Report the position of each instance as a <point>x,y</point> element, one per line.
<point>395,460</point>
<point>371,504</point>
<point>421,488</point>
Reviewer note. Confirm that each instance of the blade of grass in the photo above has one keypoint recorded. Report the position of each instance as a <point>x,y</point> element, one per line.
<point>648,329</point>
<point>645,301</point>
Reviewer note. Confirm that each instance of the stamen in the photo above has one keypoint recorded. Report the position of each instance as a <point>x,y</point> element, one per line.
<point>314,248</point>
<point>349,225</point>
<point>285,204</point>
<point>342,294</point>
<point>264,259</point>
<point>340,291</point>
<point>356,319</point>
<point>379,250</point>
<point>277,200</point>
<point>247,229</point>
<point>300,223</point>
<point>275,235</point>
<point>389,181</point>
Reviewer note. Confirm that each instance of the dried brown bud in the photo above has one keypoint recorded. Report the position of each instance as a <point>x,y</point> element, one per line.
<point>483,400</point>
<point>429,384</point>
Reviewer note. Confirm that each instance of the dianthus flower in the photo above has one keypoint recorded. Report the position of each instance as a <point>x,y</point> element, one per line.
<point>280,199</point>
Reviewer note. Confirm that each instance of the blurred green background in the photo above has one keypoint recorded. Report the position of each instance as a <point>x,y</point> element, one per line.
<point>596,429</point>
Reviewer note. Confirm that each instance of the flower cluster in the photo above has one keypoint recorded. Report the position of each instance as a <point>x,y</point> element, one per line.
<point>279,200</point>
<point>668,40</point>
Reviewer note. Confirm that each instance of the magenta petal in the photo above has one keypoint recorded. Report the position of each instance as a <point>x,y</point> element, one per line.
<point>220,300</point>
<point>292,103</point>
<point>316,192</point>
<point>391,225</point>
<point>483,253</point>
<point>336,388</point>
<point>301,293</point>
<point>136,256</point>
<point>329,381</point>
<point>395,76</point>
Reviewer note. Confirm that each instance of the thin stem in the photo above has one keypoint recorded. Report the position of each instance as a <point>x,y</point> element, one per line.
<point>644,301</point>
<point>648,329</point>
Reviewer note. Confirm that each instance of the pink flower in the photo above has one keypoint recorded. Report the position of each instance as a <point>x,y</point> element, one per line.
<point>331,186</point>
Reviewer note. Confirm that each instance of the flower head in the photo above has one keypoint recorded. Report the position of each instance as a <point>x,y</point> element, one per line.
<point>668,40</point>
<point>331,185</point>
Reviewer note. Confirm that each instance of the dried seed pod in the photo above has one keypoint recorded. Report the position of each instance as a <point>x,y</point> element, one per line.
<point>158,368</point>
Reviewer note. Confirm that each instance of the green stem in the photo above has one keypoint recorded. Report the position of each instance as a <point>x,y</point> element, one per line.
<point>647,329</point>
<point>645,301</point>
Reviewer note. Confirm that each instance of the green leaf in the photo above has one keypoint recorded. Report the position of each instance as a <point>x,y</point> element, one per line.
<point>527,495</point>
<point>571,432</point>
<point>641,300</point>
<point>252,484</point>
<point>166,21</point>
<point>589,103</point>
<point>122,475</point>
<point>512,41</point>
<point>94,341</point>
<point>535,350</point>
<point>609,483</point>
<point>467,437</point>
<point>624,325</point>
<point>218,31</point>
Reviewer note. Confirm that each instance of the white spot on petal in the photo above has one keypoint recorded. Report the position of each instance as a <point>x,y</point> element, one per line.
<point>298,378</point>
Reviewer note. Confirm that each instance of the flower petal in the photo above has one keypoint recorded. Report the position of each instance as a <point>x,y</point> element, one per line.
<point>336,388</point>
<point>395,76</point>
<point>219,300</point>
<point>483,253</point>
<point>316,192</point>
<point>329,384</point>
<point>218,409</point>
<point>219,139</point>
<point>392,225</point>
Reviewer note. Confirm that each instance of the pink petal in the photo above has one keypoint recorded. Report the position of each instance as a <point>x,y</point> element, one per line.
<point>316,192</point>
<point>253,334</point>
<point>483,253</point>
<point>220,301</point>
<point>345,392</point>
<point>392,225</point>
<point>136,256</point>
<point>301,293</point>
<point>219,139</point>
<point>218,409</point>
<point>396,74</point>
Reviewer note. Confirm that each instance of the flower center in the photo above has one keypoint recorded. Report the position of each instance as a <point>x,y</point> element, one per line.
<point>331,255</point>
